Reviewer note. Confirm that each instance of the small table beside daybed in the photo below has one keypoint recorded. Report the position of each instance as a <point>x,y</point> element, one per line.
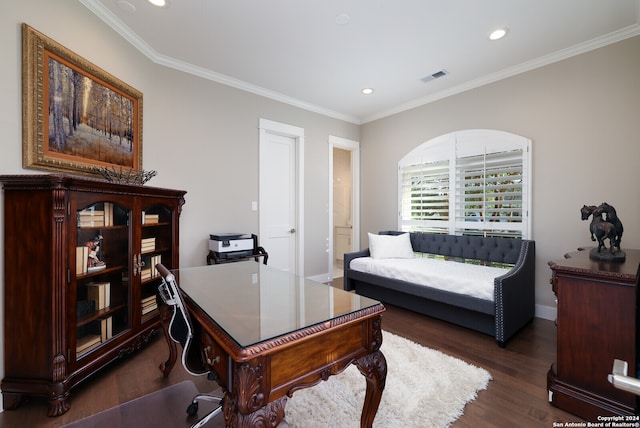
<point>483,283</point>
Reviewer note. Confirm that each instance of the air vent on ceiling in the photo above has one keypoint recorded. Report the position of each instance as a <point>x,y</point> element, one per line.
<point>435,75</point>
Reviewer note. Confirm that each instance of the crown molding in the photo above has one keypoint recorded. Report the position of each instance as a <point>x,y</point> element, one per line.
<point>616,36</point>
<point>123,30</point>
<point>136,41</point>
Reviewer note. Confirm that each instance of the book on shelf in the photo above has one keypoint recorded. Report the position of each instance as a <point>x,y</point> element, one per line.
<point>92,217</point>
<point>100,293</point>
<point>148,218</point>
<point>149,308</point>
<point>108,214</point>
<point>148,244</point>
<point>82,259</point>
<point>87,343</point>
<point>106,328</point>
<point>148,304</point>
<point>148,300</point>
<point>154,261</point>
<point>150,270</point>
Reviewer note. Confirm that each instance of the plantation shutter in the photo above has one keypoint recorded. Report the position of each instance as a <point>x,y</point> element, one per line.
<point>471,182</point>
<point>425,195</point>
<point>489,190</point>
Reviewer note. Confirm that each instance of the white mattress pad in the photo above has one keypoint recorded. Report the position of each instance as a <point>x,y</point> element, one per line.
<point>456,277</point>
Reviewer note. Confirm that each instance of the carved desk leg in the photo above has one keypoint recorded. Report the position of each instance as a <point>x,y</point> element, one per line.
<point>247,406</point>
<point>165,317</point>
<point>374,368</point>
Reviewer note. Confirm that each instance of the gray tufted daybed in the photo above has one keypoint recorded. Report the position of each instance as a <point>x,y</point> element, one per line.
<point>502,315</point>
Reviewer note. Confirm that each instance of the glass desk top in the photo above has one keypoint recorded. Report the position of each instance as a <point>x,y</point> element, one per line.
<point>253,302</point>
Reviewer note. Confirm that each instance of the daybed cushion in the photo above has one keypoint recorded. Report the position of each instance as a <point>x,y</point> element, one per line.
<point>463,278</point>
<point>390,246</point>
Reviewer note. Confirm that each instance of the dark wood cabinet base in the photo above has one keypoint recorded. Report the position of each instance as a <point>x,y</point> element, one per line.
<point>597,323</point>
<point>17,390</point>
<point>582,402</point>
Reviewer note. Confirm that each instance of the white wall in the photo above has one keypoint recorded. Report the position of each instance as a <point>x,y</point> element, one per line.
<point>200,136</point>
<point>583,115</point>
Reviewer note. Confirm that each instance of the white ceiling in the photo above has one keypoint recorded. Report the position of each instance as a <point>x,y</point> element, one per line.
<point>294,50</point>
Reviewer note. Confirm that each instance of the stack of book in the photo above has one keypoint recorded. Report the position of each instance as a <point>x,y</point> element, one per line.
<point>148,245</point>
<point>93,217</point>
<point>148,218</point>
<point>148,304</point>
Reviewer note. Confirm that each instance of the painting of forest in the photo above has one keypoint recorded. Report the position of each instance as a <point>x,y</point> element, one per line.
<point>87,119</point>
<point>76,117</point>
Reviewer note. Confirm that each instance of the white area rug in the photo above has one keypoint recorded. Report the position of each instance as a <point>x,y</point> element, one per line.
<point>424,388</point>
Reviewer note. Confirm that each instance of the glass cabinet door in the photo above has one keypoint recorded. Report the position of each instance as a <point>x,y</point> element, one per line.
<point>102,286</point>
<point>155,247</point>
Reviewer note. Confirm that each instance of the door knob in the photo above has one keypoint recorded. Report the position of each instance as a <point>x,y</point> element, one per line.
<point>293,230</point>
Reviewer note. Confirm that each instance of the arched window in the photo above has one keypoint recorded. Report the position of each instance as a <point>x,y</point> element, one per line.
<point>472,182</point>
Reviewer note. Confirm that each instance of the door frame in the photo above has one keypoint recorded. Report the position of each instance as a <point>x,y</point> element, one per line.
<point>354,148</point>
<point>267,127</point>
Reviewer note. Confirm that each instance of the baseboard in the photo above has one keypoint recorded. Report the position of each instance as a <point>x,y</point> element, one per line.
<point>546,312</point>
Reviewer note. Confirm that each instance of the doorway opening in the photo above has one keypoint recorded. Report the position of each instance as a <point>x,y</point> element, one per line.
<point>344,200</point>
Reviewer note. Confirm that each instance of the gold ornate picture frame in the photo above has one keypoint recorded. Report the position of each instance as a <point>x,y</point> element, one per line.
<point>76,117</point>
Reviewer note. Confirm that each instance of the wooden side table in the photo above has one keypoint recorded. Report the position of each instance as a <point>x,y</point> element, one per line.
<point>597,323</point>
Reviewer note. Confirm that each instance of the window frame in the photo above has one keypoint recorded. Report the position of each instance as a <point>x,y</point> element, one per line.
<point>449,149</point>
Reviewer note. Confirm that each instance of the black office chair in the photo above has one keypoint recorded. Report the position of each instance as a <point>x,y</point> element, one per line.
<point>181,331</point>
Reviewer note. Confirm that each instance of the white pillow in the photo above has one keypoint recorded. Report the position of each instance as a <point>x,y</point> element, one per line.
<point>390,246</point>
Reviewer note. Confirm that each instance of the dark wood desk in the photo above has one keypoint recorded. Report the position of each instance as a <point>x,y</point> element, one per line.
<point>268,333</point>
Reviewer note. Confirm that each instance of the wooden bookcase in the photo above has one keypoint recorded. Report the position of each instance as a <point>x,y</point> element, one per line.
<point>597,323</point>
<point>65,319</point>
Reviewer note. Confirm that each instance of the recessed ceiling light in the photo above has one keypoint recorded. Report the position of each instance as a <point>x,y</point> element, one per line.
<point>498,33</point>
<point>125,5</point>
<point>159,3</point>
<point>367,91</point>
<point>343,19</point>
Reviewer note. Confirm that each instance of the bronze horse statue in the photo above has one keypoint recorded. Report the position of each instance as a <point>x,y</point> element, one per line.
<point>587,210</point>
<point>599,228</point>
<point>612,217</point>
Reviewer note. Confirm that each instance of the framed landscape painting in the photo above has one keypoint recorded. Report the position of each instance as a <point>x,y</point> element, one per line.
<point>76,118</point>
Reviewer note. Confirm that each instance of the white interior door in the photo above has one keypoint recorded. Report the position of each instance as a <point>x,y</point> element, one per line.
<point>280,195</point>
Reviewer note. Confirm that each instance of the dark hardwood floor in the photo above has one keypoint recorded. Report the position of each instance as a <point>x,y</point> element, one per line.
<point>516,397</point>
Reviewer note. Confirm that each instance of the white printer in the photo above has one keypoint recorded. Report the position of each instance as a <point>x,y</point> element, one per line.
<point>231,244</point>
